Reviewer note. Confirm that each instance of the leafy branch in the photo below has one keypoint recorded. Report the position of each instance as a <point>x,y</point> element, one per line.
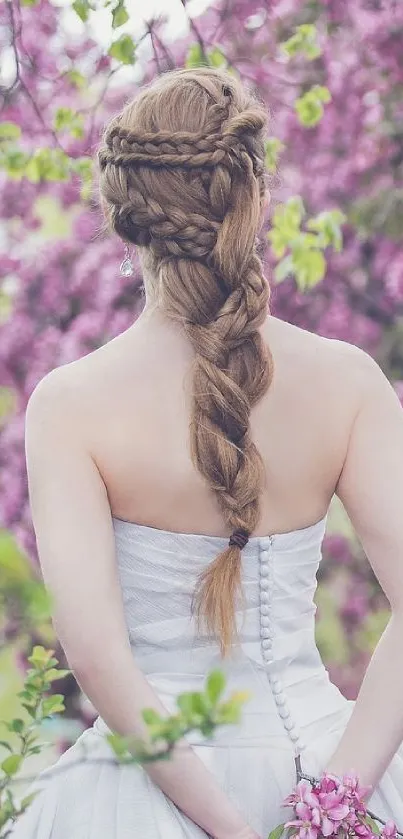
<point>202,711</point>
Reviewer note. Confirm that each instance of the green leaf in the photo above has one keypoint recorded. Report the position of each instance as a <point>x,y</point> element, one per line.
<point>273,148</point>
<point>30,709</point>
<point>39,656</point>
<point>82,9</point>
<point>215,685</point>
<point>119,15</point>
<point>36,750</point>
<point>17,725</point>
<point>322,93</point>
<point>310,267</point>
<point>309,107</point>
<point>52,704</point>
<point>6,745</point>
<point>195,57</point>
<point>11,764</point>
<point>84,167</point>
<point>279,242</point>
<point>328,225</point>
<point>28,2</point>
<point>76,78</point>
<point>284,269</point>
<point>151,717</point>
<point>53,674</point>
<point>118,744</point>
<point>29,695</point>
<point>185,704</point>
<point>47,164</point>
<point>123,50</point>
<point>277,832</point>
<point>199,704</point>
<point>303,41</point>
<point>228,712</point>
<point>216,58</point>
<point>372,824</point>
<point>28,800</point>
<point>9,131</point>
<point>66,119</point>
<point>14,162</point>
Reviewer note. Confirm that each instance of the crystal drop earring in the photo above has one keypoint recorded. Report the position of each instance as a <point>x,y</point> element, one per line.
<point>126,267</point>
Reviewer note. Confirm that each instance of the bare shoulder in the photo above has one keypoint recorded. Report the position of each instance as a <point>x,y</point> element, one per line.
<point>73,386</point>
<point>346,366</point>
<point>54,409</point>
<point>56,388</point>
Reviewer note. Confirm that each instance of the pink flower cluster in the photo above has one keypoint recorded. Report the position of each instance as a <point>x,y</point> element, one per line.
<point>333,807</point>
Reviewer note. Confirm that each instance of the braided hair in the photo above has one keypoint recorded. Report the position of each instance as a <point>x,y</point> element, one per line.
<point>182,176</point>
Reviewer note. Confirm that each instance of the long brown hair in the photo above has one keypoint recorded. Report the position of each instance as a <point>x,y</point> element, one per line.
<point>182,175</point>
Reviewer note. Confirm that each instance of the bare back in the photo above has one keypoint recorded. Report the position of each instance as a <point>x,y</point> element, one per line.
<point>134,396</point>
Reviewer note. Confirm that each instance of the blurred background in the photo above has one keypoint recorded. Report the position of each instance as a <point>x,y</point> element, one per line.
<point>331,75</point>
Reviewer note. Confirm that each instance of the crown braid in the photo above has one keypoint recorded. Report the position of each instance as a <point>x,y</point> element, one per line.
<point>194,199</point>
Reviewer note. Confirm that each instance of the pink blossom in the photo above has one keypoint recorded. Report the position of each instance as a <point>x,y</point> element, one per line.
<point>389,830</point>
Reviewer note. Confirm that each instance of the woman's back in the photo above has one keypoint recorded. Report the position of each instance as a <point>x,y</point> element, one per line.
<point>132,398</point>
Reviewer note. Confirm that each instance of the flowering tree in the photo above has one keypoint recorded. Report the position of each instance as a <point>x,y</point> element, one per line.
<point>331,74</point>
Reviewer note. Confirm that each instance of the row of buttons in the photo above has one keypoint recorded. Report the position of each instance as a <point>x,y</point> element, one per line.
<point>267,634</point>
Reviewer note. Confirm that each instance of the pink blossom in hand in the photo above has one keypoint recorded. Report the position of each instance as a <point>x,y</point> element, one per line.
<point>389,831</point>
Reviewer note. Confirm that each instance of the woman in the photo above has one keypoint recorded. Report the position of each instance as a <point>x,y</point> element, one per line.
<point>149,533</point>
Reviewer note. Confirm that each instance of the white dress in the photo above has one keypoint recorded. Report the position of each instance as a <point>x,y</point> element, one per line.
<point>294,707</point>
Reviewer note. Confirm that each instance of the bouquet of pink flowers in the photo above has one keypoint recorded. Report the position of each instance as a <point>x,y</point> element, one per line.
<point>330,806</point>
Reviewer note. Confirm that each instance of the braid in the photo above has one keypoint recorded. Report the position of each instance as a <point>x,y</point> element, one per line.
<point>194,198</point>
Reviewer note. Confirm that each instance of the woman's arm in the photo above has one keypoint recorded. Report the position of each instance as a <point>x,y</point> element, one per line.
<point>371,489</point>
<point>74,532</point>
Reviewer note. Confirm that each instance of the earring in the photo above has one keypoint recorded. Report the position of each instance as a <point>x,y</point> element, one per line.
<point>126,267</point>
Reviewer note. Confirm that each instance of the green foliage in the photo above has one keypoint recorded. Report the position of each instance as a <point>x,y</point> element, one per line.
<point>213,57</point>
<point>372,628</point>
<point>195,57</point>
<point>13,161</point>
<point>300,253</point>
<point>197,711</point>
<point>76,78</point>
<point>119,14</point>
<point>216,58</point>
<point>68,120</point>
<point>47,164</point>
<point>273,149</point>
<point>373,825</point>
<point>11,764</point>
<point>123,49</point>
<point>201,711</point>
<point>9,131</point>
<point>82,8</point>
<point>215,685</point>
<point>304,41</point>
<point>38,706</point>
<point>309,106</point>
<point>84,168</point>
<point>330,636</point>
<point>277,832</point>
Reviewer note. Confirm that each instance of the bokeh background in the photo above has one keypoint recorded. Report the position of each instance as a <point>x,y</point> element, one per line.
<point>335,96</point>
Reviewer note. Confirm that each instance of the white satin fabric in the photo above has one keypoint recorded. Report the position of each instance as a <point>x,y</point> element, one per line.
<point>294,707</point>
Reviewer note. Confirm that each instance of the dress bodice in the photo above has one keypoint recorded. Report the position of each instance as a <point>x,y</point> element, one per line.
<point>276,658</point>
